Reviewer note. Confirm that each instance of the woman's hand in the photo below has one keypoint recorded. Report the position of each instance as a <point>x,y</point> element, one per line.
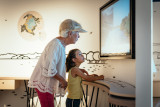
<point>63,84</point>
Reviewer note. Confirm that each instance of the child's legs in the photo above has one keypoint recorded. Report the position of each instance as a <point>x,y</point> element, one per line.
<point>72,102</point>
<point>46,99</point>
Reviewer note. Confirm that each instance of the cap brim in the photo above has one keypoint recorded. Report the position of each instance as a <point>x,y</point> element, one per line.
<point>80,30</point>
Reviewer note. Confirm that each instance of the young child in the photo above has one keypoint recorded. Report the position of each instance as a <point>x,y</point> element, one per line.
<point>75,76</point>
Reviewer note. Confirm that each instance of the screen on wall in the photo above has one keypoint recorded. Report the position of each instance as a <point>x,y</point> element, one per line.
<point>116,30</point>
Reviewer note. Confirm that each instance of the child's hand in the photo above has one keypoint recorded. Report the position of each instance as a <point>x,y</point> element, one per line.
<point>101,77</point>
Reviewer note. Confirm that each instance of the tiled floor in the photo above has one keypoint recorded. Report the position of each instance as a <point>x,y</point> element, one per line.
<point>13,98</point>
<point>17,98</point>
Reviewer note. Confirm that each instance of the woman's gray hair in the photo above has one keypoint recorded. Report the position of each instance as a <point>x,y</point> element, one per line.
<point>69,25</point>
<point>65,33</point>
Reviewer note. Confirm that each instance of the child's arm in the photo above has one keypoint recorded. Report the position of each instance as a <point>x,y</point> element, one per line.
<point>78,72</point>
<point>94,74</point>
<point>84,71</point>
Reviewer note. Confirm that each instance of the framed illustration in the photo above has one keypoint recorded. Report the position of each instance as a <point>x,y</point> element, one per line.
<point>117,30</point>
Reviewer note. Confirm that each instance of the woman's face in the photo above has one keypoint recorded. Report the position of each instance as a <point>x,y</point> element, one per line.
<point>74,37</point>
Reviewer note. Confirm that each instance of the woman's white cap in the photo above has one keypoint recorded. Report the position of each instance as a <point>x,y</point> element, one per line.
<point>71,25</point>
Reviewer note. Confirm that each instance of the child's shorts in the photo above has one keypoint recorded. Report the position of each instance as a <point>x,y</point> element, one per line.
<point>72,102</point>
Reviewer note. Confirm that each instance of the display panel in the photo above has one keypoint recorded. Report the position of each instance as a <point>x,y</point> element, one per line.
<point>117,32</point>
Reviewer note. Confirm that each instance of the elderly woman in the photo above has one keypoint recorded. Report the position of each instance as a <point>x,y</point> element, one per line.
<point>48,77</point>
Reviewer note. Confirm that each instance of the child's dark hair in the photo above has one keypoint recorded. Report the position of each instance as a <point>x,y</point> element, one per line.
<point>69,61</point>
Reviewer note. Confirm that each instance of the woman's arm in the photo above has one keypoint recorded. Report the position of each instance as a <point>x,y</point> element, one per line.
<point>78,72</point>
<point>61,80</point>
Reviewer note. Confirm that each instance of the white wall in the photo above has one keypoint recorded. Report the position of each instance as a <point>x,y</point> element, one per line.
<point>156,39</point>
<point>144,97</point>
<point>53,13</point>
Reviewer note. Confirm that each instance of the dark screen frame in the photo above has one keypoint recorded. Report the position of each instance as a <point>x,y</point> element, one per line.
<point>131,55</point>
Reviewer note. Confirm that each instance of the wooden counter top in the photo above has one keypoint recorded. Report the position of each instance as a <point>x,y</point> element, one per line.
<point>118,88</point>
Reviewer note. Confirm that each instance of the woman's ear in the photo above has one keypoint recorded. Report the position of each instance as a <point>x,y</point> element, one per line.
<point>69,33</point>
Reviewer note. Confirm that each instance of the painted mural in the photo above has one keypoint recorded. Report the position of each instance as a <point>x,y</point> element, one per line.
<point>31,26</point>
